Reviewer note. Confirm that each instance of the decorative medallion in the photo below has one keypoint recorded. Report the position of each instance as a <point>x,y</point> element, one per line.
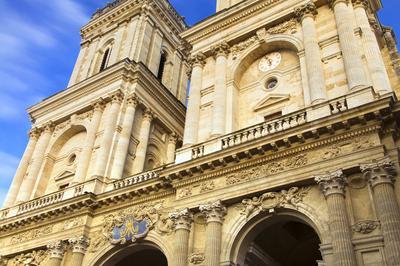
<point>270,61</point>
<point>130,229</point>
<point>365,227</point>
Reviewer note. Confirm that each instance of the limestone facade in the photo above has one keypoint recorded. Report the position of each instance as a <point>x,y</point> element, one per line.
<point>290,134</point>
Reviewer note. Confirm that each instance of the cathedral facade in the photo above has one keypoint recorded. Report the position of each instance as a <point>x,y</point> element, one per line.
<point>286,154</point>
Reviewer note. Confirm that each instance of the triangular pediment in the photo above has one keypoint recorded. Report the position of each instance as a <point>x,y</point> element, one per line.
<point>271,100</point>
<point>64,174</point>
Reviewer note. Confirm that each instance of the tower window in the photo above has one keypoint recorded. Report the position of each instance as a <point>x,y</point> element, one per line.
<point>161,68</point>
<point>104,61</point>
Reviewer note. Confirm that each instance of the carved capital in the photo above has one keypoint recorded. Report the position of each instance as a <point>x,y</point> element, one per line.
<point>213,212</point>
<point>49,127</point>
<point>99,105</point>
<point>333,3</point>
<point>332,183</point>
<point>173,138</point>
<point>57,249</point>
<point>198,59</point>
<point>182,219</point>
<point>148,115</point>
<point>34,133</point>
<point>307,10</point>
<point>221,49</point>
<point>360,3</point>
<point>79,244</point>
<point>379,172</point>
<point>117,97</point>
<point>132,101</point>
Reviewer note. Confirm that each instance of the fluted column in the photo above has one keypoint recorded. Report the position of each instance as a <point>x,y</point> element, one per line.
<point>38,155</point>
<point>22,168</point>
<point>349,44</point>
<point>171,147</point>
<point>79,247</point>
<point>144,135</point>
<point>315,73</point>
<point>183,222</point>
<point>333,188</point>
<point>193,108</point>
<point>57,251</point>
<point>221,52</point>
<point>214,214</point>
<point>373,54</point>
<point>124,138</point>
<point>108,134</point>
<point>88,145</point>
<point>381,177</point>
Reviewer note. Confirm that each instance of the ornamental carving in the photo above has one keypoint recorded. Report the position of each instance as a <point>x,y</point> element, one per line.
<point>306,10</point>
<point>379,171</point>
<point>272,200</point>
<point>30,235</point>
<point>213,211</point>
<point>332,183</point>
<point>365,227</point>
<point>207,186</point>
<point>34,258</point>
<point>73,223</point>
<point>185,192</point>
<point>196,258</point>
<point>289,26</point>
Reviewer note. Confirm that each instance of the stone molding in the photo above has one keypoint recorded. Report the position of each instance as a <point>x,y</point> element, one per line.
<point>213,211</point>
<point>221,49</point>
<point>332,183</point>
<point>57,249</point>
<point>182,219</point>
<point>79,244</point>
<point>379,172</point>
<point>307,10</point>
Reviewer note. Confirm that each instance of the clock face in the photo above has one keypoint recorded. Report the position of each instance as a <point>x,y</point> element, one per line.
<point>269,62</point>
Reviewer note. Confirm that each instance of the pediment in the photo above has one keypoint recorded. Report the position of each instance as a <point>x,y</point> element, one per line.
<point>64,174</point>
<point>271,100</point>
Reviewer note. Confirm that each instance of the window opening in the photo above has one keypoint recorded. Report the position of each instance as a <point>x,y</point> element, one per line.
<point>104,62</point>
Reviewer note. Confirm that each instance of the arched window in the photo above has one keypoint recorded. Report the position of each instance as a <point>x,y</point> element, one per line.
<point>104,61</point>
<point>161,68</point>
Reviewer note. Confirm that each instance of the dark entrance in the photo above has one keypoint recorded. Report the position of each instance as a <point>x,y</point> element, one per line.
<point>145,257</point>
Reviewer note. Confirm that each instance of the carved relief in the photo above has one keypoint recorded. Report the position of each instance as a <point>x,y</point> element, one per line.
<point>73,223</point>
<point>207,186</point>
<point>287,26</point>
<point>185,192</point>
<point>34,258</point>
<point>30,235</point>
<point>365,227</point>
<point>272,200</point>
<point>196,258</point>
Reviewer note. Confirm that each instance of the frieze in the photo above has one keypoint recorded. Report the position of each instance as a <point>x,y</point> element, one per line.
<point>207,186</point>
<point>69,224</point>
<point>272,200</point>
<point>365,227</point>
<point>30,235</point>
<point>289,26</point>
<point>34,258</point>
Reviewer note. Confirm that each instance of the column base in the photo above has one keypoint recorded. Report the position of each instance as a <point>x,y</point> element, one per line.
<point>360,97</point>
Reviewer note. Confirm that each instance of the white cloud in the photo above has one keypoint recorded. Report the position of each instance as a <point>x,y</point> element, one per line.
<point>70,11</point>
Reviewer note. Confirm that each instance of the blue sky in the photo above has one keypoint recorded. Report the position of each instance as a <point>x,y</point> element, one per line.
<point>39,44</point>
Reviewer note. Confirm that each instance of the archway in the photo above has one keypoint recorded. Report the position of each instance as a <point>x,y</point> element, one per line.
<point>278,240</point>
<point>142,254</point>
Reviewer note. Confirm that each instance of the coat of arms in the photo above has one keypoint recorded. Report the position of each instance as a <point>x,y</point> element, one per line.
<point>129,229</point>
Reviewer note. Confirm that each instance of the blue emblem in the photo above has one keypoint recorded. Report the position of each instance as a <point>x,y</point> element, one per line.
<point>128,229</point>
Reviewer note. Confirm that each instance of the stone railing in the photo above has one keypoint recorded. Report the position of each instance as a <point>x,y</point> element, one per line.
<point>285,122</point>
<point>129,181</point>
<point>41,202</point>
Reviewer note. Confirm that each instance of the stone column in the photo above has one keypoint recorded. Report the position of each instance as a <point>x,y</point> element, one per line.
<point>78,64</point>
<point>144,135</point>
<point>193,108</point>
<point>221,52</point>
<point>349,44</point>
<point>110,124</point>
<point>87,151</point>
<point>315,72</point>
<point>373,54</point>
<point>124,138</point>
<point>183,221</point>
<point>57,250</point>
<point>214,213</point>
<point>130,35</point>
<point>79,247</point>
<point>22,168</point>
<point>38,155</point>
<point>172,140</point>
<point>381,177</point>
<point>333,188</point>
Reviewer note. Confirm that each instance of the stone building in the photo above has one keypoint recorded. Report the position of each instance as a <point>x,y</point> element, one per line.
<point>288,153</point>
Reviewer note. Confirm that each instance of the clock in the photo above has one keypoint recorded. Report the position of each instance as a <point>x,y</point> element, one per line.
<point>269,62</point>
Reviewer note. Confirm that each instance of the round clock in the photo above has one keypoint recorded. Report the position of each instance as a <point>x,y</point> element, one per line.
<point>269,62</point>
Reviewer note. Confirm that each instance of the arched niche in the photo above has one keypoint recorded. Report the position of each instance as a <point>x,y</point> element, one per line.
<point>266,95</point>
<point>245,231</point>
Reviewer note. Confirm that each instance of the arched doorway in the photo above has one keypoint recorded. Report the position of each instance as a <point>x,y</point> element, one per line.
<point>278,240</point>
<point>142,254</point>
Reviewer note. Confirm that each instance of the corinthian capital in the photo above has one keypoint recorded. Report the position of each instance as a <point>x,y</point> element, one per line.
<point>379,172</point>
<point>221,49</point>
<point>333,3</point>
<point>117,97</point>
<point>132,100</point>
<point>79,244</point>
<point>34,133</point>
<point>49,127</point>
<point>182,219</point>
<point>307,10</point>
<point>99,105</point>
<point>148,114</point>
<point>360,3</point>
<point>214,212</point>
<point>57,249</point>
<point>198,59</point>
<point>332,183</point>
